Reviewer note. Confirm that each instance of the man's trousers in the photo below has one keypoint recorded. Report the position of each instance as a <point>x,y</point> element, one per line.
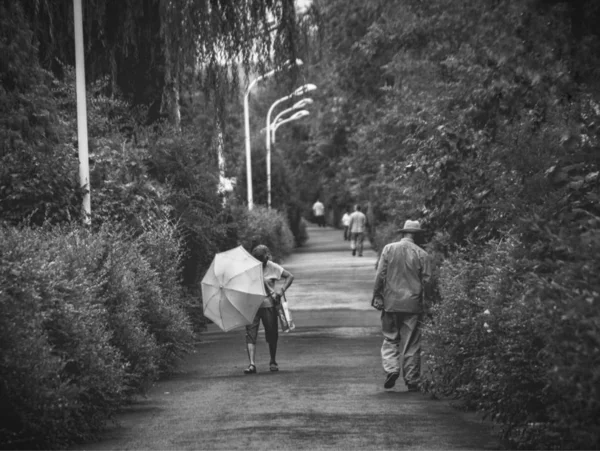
<point>356,242</point>
<point>401,347</point>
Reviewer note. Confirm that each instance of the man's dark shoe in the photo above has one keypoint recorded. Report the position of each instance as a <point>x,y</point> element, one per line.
<point>353,252</point>
<point>390,380</point>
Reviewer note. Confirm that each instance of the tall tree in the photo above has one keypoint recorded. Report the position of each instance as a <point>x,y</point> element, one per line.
<point>146,46</point>
<point>425,99</point>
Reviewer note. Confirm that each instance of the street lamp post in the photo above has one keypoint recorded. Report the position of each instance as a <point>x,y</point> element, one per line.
<point>297,106</point>
<point>298,115</point>
<point>298,62</point>
<point>82,135</point>
<point>298,92</point>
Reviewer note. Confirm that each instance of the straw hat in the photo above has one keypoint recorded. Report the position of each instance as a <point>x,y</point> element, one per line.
<point>412,227</point>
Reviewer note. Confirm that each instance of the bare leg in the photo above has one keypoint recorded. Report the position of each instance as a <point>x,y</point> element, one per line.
<point>251,352</point>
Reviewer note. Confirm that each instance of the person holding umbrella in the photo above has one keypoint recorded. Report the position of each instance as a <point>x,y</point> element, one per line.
<point>267,312</point>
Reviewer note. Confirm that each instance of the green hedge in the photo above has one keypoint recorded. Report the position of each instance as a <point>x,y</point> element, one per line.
<point>519,346</point>
<point>86,320</point>
<point>301,235</point>
<point>264,226</point>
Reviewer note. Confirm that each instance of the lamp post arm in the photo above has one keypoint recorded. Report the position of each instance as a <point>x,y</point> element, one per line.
<point>298,62</point>
<point>295,117</point>
<point>268,144</point>
<point>297,106</point>
<point>247,135</point>
<point>284,112</point>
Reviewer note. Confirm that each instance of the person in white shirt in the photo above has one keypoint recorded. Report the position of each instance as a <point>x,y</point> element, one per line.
<point>267,313</point>
<point>357,227</point>
<point>319,212</point>
<point>345,224</point>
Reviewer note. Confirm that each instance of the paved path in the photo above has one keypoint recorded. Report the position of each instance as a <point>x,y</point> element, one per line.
<point>328,395</point>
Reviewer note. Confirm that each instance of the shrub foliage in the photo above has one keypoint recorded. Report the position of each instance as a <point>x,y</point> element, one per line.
<point>85,321</point>
<point>481,120</point>
<point>263,226</point>
<point>520,346</point>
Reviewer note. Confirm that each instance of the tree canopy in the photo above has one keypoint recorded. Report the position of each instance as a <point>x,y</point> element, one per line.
<point>444,110</point>
<point>480,119</point>
<point>146,47</point>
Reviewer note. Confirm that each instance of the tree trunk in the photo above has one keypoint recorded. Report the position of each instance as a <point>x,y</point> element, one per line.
<point>170,97</point>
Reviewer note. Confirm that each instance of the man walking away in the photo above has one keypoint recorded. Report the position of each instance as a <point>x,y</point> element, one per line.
<point>345,224</point>
<point>403,275</point>
<point>319,212</point>
<point>357,227</point>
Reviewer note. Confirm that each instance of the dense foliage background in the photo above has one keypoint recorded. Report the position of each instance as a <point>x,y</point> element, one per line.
<point>91,317</point>
<point>481,119</point>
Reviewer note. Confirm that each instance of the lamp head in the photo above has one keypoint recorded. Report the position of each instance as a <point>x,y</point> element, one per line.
<point>304,89</point>
<point>299,114</point>
<point>290,63</point>
<point>302,103</point>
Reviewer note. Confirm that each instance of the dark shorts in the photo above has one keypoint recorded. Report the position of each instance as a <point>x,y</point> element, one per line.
<point>358,237</point>
<point>268,315</point>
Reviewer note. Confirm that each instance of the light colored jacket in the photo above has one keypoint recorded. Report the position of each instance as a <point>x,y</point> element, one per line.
<point>403,273</point>
<point>358,222</point>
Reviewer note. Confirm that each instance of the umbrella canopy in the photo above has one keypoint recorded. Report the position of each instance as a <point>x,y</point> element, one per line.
<point>233,289</point>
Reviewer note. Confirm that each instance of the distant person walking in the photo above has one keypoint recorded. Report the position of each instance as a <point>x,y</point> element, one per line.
<point>319,212</point>
<point>403,274</point>
<point>357,227</point>
<point>345,224</point>
<point>267,313</point>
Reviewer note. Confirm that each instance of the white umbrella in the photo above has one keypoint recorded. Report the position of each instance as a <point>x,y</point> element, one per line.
<point>233,289</point>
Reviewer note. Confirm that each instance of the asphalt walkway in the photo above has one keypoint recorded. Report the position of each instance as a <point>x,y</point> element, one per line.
<point>328,394</point>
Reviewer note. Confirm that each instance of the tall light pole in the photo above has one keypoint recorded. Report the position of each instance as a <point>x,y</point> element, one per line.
<point>298,92</point>
<point>82,136</point>
<point>298,62</point>
<point>294,117</point>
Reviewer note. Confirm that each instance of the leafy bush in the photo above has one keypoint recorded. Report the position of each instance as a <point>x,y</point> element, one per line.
<point>143,294</point>
<point>301,235</point>
<point>119,150</point>
<point>165,309</point>
<point>123,273</point>
<point>191,177</point>
<point>60,377</point>
<point>38,165</point>
<point>565,286</point>
<point>86,319</point>
<point>263,226</point>
<point>384,234</point>
<point>520,347</point>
